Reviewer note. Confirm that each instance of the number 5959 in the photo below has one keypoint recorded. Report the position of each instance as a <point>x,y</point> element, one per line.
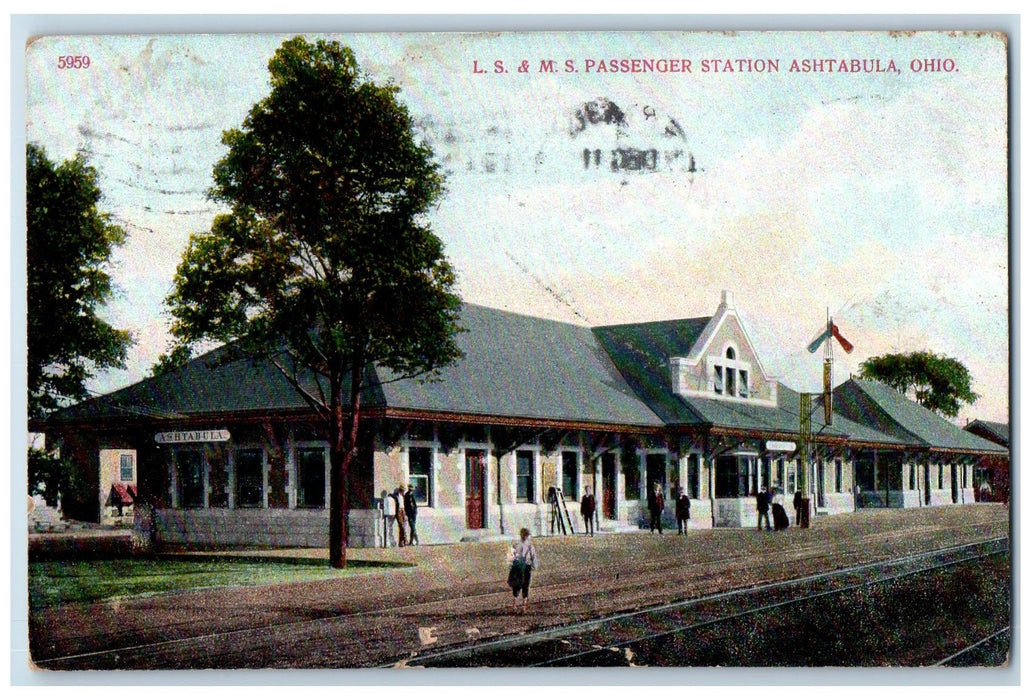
<point>64,62</point>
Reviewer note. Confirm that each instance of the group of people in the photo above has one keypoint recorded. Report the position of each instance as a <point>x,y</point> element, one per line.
<point>771,499</point>
<point>656,503</point>
<point>523,556</point>
<point>400,508</point>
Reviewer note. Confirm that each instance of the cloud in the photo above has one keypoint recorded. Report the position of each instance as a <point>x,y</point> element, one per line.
<point>883,198</point>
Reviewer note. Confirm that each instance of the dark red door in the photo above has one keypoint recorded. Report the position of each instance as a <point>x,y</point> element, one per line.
<point>475,471</point>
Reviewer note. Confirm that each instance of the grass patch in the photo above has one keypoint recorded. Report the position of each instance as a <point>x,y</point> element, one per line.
<point>60,582</point>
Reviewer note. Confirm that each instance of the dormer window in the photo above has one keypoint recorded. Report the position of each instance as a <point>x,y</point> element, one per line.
<point>730,375</point>
<point>721,363</point>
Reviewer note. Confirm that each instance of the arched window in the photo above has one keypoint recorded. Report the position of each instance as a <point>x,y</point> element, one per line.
<point>730,377</point>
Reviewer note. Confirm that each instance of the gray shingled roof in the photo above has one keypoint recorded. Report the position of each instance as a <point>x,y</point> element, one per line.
<point>642,351</point>
<point>514,366</point>
<point>996,432</point>
<point>876,404</point>
<point>784,417</point>
<point>523,366</point>
<point>518,366</point>
<point>860,432</point>
<point>205,385</point>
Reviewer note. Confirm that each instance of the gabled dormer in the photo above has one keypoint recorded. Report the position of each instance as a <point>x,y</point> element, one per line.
<point>723,363</point>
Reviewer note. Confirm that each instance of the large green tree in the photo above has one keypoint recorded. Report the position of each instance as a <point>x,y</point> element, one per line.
<point>937,382</point>
<point>325,265</point>
<point>69,242</point>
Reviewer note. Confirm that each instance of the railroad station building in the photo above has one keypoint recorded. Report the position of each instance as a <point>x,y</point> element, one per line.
<point>992,473</point>
<point>228,453</point>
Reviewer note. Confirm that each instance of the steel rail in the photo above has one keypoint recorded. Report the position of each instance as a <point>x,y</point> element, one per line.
<point>975,645</point>
<point>657,568</point>
<point>770,607</point>
<point>565,631</point>
<point>504,641</point>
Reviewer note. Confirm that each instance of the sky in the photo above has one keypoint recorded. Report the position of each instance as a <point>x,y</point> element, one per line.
<point>879,197</point>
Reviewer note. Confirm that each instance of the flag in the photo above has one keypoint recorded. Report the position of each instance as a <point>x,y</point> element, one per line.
<point>831,332</point>
<point>845,345</point>
<point>815,345</point>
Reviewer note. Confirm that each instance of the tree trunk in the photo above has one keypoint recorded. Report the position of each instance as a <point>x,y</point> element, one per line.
<point>339,460</point>
<point>342,452</point>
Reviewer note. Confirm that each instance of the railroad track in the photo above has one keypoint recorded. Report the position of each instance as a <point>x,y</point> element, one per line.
<point>368,637</point>
<point>615,639</point>
<point>992,650</point>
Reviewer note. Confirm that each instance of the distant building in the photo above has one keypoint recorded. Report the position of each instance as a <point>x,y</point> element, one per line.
<point>227,452</point>
<point>992,469</point>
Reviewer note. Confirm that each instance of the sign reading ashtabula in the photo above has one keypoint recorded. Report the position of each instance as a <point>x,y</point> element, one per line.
<point>177,437</point>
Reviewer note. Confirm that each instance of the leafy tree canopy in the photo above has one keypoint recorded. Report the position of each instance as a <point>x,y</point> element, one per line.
<point>69,243</point>
<point>177,356</point>
<point>326,246</point>
<point>49,475</point>
<point>939,383</point>
<point>325,262</point>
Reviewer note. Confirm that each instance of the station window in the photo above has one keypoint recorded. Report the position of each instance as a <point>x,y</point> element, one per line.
<point>250,478</point>
<point>837,476</point>
<point>524,476</point>
<point>729,376</point>
<point>693,476</point>
<point>190,476</point>
<point>737,476</point>
<point>311,477</point>
<point>420,473</point>
<point>126,468</point>
<point>655,471</point>
<point>632,479</point>
<point>941,476</point>
<point>727,482</point>
<point>767,472</point>
<point>569,469</point>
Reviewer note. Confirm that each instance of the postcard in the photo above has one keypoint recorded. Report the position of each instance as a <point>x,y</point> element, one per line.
<point>458,349</point>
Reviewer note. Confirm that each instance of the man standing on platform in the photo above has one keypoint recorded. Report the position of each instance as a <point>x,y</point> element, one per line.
<point>411,509</point>
<point>683,511</point>
<point>399,508</point>
<point>762,505</point>
<point>656,502</point>
<point>587,507</point>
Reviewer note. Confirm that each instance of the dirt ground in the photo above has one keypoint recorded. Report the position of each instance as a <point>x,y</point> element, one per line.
<point>457,592</point>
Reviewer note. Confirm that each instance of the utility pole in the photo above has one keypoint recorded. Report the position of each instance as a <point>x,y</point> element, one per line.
<point>805,434</point>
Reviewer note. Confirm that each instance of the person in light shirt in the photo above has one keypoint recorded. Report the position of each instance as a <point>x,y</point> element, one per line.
<point>389,516</point>
<point>524,561</point>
